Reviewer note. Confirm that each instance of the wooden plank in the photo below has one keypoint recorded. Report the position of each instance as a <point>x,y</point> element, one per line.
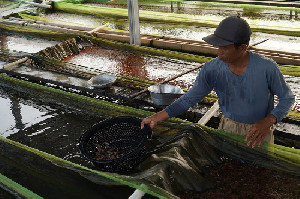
<point>161,43</point>
<point>286,60</point>
<point>115,37</point>
<point>197,48</point>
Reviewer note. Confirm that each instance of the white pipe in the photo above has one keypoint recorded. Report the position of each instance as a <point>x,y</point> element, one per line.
<point>209,114</point>
<point>137,194</point>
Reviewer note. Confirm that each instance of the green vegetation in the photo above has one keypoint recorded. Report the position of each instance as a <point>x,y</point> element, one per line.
<point>290,70</point>
<point>295,115</point>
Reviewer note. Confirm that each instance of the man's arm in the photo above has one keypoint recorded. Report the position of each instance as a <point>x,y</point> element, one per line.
<point>259,131</point>
<point>199,90</point>
<point>279,87</point>
<point>153,120</point>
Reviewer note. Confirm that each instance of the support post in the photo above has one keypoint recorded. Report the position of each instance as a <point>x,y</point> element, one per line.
<point>133,20</point>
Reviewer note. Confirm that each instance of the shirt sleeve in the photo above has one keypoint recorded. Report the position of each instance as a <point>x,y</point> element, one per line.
<point>198,91</point>
<point>279,87</point>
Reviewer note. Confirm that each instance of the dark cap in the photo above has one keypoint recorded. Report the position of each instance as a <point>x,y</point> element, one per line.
<point>230,30</point>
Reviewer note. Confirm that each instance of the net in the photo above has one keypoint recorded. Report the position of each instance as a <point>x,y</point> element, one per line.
<point>115,145</point>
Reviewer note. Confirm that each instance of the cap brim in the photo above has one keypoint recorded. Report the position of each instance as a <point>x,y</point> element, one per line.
<point>216,41</point>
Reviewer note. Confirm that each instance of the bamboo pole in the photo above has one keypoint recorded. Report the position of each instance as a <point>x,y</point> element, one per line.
<point>97,29</point>
<point>6,66</point>
<point>167,80</point>
<point>255,44</point>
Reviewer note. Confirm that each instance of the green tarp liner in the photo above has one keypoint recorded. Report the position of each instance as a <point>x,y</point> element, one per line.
<point>181,150</point>
<point>48,180</point>
<point>10,189</point>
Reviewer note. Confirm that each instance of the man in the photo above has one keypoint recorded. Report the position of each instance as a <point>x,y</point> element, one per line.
<point>245,83</point>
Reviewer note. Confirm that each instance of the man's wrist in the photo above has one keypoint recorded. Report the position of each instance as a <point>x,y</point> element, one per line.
<point>273,119</point>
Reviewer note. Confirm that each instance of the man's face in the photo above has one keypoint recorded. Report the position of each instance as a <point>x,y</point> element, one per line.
<point>229,54</point>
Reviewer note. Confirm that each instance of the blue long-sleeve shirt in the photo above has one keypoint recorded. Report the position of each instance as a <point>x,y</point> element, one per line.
<point>246,98</point>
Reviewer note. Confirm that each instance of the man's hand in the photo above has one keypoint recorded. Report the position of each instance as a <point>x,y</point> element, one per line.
<point>154,119</point>
<point>259,131</point>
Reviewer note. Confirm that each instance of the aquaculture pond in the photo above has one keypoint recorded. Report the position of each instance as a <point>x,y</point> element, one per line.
<point>25,44</point>
<point>275,42</point>
<point>53,127</point>
<point>153,68</point>
<point>51,122</point>
<point>217,8</point>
